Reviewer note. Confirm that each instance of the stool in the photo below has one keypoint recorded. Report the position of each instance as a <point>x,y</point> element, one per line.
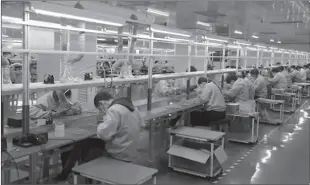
<point>112,171</point>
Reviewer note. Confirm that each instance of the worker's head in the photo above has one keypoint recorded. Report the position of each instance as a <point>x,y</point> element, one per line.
<point>275,70</point>
<point>298,68</point>
<point>192,69</point>
<point>265,73</point>
<point>231,78</point>
<point>102,101</point>
<point>240,74</point>
<point>8,55</point>
<point>281,68</point>
<point>202,81</point>
<point>254,73</point>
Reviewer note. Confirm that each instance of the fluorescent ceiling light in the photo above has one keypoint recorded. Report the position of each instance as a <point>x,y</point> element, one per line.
<point>279,42</point>
<point>102,39</point>
<point>203,23</point>
<point>55,14</point>
<point>271,40</point>
<point>219,40</point>
<point>241,43</point>
<point>157,12</point>
<point>171,33</point>
<point>238,32</point>
<point>260,46</point>
<point>5,36</point>
<point>254,36</point>
<point>13,41</point>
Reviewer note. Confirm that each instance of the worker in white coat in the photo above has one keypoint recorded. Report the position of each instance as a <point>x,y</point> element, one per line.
<point>287,73</point>
<point>296,75</point>
<point>279,80</point>
<point>181,83</point>
<point>165,87</point>
<point>260,84</point>
<point>250,85</point>
<point>118,134</point>
<point>239,90</point>
<point>303,73</point>
<point>54,104</point>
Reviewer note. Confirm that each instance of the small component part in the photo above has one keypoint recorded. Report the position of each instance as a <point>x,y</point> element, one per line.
<point>49,79</point>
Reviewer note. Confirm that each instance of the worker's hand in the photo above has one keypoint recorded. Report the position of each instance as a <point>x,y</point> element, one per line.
<point>55,114</point>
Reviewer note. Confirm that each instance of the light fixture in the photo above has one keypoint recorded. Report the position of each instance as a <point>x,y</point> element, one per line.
<point>238,32</point>
<point>158,12</point>
<point>279,42</point>
<point>55,14</point>
<point>255,37</point>
<point>5,36</point>
<point>260,46</point>
<point>102,39</point>
<point>241,43</point>
<point>219,40</point>
<point>203,23</point>
<point>168,32</point>
<point>271,40</point>
<point>214,44</point>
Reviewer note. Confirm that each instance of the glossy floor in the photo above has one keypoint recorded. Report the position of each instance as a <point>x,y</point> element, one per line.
<point>281,157</point>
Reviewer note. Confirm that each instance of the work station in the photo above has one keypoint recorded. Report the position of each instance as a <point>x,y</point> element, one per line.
<point>111,92</point>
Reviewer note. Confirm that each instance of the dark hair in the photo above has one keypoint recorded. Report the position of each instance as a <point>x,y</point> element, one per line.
<point>102,96</point>
<point>202,79</point>
<point>275,70</point>
<point>293,67</point>
<point>156,62</point>
<point>255,72</point>
<point>192,69</point>
<point>6,53</point>
<point>230,77</point>
<point>68,93</point>
<point>281,68</point>
<point>298,67</point>
<point>227,67</point>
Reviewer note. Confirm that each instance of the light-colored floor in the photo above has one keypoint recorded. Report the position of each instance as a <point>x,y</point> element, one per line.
<point>281,157</point>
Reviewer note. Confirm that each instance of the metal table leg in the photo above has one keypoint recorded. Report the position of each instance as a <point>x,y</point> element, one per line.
<point>32,168</point>
<point>212,158</point>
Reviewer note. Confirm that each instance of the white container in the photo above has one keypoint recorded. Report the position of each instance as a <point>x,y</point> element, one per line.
<point>232,108</point>
<point>59,129</point>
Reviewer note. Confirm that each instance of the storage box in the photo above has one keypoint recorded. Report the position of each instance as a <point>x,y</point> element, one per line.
<point>232,108</point>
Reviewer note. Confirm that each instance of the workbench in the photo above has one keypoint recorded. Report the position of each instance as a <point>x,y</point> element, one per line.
<point>305,85</point>
<point>86,127</point>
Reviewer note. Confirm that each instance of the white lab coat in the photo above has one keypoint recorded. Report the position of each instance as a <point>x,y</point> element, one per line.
<point>296,76</point>
<point>239,92</point>
<point>162,88</point>
<point>303,74</point>
<point>181,83</point>
<point>120,129</point>
<point>278,81</point>
<point>212,95</point>
<point>288,77</point>
<point>251,88</point>
<point>46,104</point>
<point>260,85</point>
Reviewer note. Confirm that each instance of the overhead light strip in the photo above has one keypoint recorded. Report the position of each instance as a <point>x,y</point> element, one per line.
<point>218,40</point>
<point>203,23</point>
<point>61,15</point>
<point>168,32</point>
<point>238,32</point>
<point>254,36</point>
<point>158,12</point>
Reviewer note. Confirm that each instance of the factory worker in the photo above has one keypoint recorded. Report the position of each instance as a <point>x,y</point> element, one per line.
<point>287,73</point>
<point>308,72</point>
<point>279,80</point>
<point>118,134</point>
<point>55,104</point>
<point>239,90</point>
<point>181,83</point>
<point>303,73</point>
<point>157,67</point>
<point>260,83</point>
<point>165,87</point>
<point>296,75</point>
<point>215,106</point>
<point>249,83</point>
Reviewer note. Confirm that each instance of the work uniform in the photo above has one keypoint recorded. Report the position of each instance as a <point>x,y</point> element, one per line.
<point>260,87</point>
<point>296,76</point>
<point>163,88</point>
<point>47,104</point>
<point>288,77</point>
<point>308,74</point>
<point>118,136</point>
<point>181,83</point>
<point>239,91</point>
<point>278,81</point>
<point>303,74</point>
<point>251,88</point>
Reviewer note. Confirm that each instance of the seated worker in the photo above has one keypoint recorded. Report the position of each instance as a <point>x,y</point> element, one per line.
<point>181,83</point>
<point>215,107</point>
<point>118,134</point>
<point>239,90</point>
<point>260,84</point>
<point>279,80</point>
<point>296,75</point>
<point>286,71</point>
<point>308,72</point>
<point>249,83</point>
<point>164,87</point>
<point>55,104</point>
<point>303,73</point>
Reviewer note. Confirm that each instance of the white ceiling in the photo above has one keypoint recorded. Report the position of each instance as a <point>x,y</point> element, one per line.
<point>267,19</point>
